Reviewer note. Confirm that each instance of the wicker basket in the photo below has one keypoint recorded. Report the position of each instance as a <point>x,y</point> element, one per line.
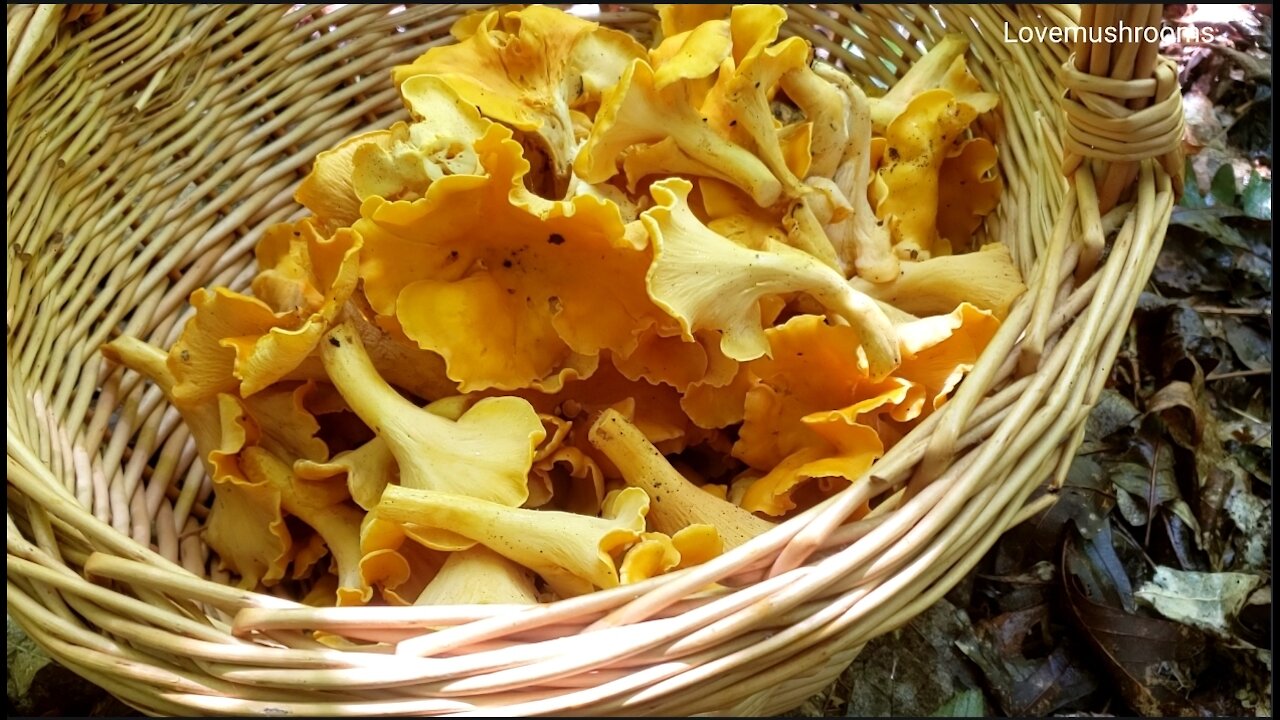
<point>148,149</point>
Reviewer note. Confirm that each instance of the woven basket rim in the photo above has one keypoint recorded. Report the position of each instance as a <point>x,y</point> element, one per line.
<point>802,598</point>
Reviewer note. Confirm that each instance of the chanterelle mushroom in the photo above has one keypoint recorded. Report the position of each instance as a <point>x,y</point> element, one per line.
<point>942,67</point>
<point>469,365</point>
<point>678,502</point>
<point>528,67</point>
<point>571,552</point>
<point>705,280</point>
<point>532,286</point>
<point>487,452</point>
<point>237,342</point>
<point>636,112</point>
<point>986,278</point>
<point>920,138</point>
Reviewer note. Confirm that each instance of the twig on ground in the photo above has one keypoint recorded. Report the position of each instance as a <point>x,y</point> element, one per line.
<point>1219,310</point>
<point>1237,373</point>
<point>1151,492</point>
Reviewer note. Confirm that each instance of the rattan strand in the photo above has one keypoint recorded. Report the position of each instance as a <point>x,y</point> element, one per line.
<point>148,149</point>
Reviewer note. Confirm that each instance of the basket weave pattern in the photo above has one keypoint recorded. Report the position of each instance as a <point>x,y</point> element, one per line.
<point>149,148</point>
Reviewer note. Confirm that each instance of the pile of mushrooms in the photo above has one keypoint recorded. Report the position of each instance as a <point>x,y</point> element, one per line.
<point>597,313</point>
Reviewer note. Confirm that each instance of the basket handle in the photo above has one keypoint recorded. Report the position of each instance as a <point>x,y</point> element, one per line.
<point>1122,101</point>
<point>1123,107</point>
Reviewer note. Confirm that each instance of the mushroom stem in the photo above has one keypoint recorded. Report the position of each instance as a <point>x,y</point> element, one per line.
<point>806,233</point>
<point>486,453</point>
<point>352,372</point>
<point>875,330</point>
<point>986,279</point>
<point>677,503</point>
<point>479,576</point>
<point>202,417</point>
<point>571,552</point>
<point>403,364</point>
<point>334,520</point>
<point>141,357</point>
<point>862,240</point>
<point>823,106</point>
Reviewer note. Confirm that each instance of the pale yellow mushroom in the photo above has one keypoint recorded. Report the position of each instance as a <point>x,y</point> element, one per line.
<point>654,555</point>
<point>572,552</point>
<point>708,282</point>
<point>636,112</point>
<point>479,576</point>
<point>202,417</point>
<point>862,242</point>
<point>987,279</point>
<point>677,503</point>
<point>486,453</point>
<point>823,105</point>
<point>320,506</point>
<point>942,67</point>
<point>529,67</point>
<point>742,92</point>
<point>694,54</point>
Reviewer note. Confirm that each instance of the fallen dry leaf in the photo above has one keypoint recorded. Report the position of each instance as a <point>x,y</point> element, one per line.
<point>1209,601</point>
<point>1152,660</point>
<point>1025,687</point>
